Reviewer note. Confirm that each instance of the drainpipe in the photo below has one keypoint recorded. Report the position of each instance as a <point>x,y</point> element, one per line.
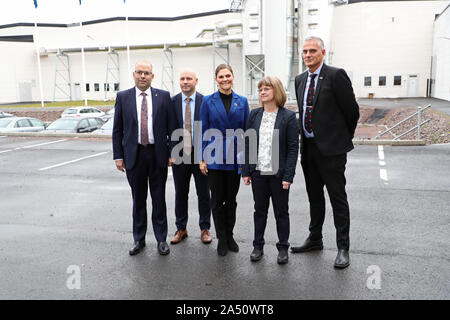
<point>290,10</point>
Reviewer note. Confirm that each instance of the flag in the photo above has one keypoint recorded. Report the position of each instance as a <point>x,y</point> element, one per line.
<point>35,3</point>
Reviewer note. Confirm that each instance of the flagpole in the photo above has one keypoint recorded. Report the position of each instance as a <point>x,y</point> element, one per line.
<point>82,57</point>
<point>128,47</point>
<point>38,58</point>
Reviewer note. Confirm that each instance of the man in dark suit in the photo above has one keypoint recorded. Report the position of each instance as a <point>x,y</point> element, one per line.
<point>328,117</point>
<point>187,110</point>
<point>142,127</point>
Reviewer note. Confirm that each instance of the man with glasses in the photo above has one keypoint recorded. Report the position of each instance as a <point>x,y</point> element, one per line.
<point>143,124</point>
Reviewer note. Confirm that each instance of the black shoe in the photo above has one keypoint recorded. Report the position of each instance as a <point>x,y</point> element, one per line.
<point>163,248</point>
<point>256,255</point>
<point>222,248</point>
<point>308,245</point>
<point>342,259</point>
<point>283,257</point>
<point>232,245</point>
<point>138,246</point>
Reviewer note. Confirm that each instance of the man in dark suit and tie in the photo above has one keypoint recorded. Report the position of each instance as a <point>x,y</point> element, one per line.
<point>328,117</point>
<point>187,110</point>
<point>142,127</point>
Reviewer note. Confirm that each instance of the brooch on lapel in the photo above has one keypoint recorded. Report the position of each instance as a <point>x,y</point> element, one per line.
<point>235,104</point>
<point>320,78</point>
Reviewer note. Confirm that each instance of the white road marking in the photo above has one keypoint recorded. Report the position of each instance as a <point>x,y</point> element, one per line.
<point>3,136</point>
<point>6,151</point>
<point>72,161</point>
<point>382,163</point>
<point>40,144</point>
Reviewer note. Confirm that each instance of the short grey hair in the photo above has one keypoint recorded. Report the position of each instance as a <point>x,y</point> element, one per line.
<point>319,41</point>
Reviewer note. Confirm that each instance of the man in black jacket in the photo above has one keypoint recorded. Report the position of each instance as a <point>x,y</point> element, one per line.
<point>328,117</point>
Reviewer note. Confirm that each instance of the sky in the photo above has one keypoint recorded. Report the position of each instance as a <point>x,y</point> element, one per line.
<point>70,11</point>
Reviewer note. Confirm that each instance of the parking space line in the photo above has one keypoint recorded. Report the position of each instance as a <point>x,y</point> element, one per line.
<point>382,163</point>
<point>72,161</point>
<point>6,151</point>
<point>40,144</point>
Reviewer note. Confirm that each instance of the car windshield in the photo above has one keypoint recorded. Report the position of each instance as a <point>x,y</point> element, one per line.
<point>4,122</point>
<point>70,111</point>
<point>63,124</point>
<point>108,125</point>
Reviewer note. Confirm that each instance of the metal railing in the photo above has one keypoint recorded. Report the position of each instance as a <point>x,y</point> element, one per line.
<point>419,124</point>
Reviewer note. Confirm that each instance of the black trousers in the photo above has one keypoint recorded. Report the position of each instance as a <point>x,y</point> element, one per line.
<point>143,175</point>
<point>182,179</point>
<point>224,186</point>
<point>265,187</point>
<point>320,171</point>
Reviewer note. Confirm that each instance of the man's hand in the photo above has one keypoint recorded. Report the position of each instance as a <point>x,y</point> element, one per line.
<point>203,168</point>
<point>120,164</point>
<point>285,185</point>
<point>247,180</point>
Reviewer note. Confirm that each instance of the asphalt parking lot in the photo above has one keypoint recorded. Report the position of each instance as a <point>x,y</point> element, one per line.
<point>65,231</point>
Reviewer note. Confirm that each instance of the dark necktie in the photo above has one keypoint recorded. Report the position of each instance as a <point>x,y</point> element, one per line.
<point>187,147</point>
<point>144,120</point>
<point>309,103</point>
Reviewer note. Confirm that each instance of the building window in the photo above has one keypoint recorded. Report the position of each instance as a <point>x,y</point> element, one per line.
<point>397,80</point>
<point>367,81</point>
<point>87,87</point>
<point>106,86</point>
<point>116,86</point>
<point>96,87</point>
<point>382,81</point>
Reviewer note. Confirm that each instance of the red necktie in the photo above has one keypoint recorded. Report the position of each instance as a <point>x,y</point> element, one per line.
<point>309,103</point>
<point>144,120</point>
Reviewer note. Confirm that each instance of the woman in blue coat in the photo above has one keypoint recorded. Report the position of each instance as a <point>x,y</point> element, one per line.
<point>224,117</point>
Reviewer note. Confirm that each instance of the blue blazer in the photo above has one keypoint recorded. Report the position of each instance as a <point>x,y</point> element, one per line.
<point>125,130</point>
<point>214,116</point>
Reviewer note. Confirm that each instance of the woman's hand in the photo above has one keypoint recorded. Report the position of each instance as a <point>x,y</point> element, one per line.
<point>247,180</point>
<point>203,168</point>
<point>286,185</point>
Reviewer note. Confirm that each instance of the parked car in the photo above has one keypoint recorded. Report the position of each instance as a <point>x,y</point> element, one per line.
<point>70,125</point>
<point>106,129</point>
<point>21,124</point>
<point>82,112</point>
<point>109,114</point>
<point>4,114</point>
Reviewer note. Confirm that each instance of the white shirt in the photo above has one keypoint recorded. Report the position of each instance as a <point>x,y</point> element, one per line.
<point>308,81</point>
<point>265,141</point>
<point>139,98</point>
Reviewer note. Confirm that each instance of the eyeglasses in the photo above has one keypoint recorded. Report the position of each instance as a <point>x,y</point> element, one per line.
<point>146,73</point>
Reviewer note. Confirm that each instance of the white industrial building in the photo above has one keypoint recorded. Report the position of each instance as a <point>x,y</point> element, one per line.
<point>389,49</point>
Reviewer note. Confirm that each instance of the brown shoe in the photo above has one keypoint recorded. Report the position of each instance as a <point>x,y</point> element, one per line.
<point>206,236</point>
<point>179,236</point>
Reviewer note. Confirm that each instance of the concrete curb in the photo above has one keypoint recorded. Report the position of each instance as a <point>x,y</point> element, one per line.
<point>390,142</point>
<point>55,135</point>
<point>102,136</point>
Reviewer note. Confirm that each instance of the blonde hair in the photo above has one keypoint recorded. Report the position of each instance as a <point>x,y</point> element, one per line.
<point>279,94</point>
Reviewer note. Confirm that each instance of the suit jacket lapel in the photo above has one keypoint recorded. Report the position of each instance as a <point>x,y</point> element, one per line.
<point>155,105</point>
<point>320,80</point>
<point>234,103</point>
<point>179,109</point>
<point>132,104</point>
<point>303,81</point>
<point>197,107</point>
<point>220,107</point>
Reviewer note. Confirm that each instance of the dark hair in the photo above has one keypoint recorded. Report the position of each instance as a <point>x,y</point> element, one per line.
<point>223,66</point>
